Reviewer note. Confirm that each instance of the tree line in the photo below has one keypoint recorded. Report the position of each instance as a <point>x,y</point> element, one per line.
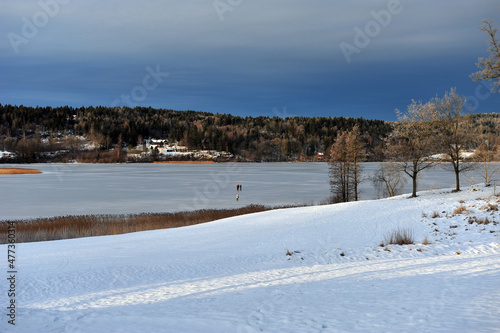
<point>30,130</point>
<point>35,133</point>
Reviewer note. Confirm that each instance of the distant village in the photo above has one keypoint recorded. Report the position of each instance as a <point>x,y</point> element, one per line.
<point>154,150</point>
<point>78,149</point>
<point>164,148</point>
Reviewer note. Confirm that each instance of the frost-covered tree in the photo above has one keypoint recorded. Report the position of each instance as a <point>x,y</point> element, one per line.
<point>345,170</point>
<point>412,142</point>
<point>454,131</point>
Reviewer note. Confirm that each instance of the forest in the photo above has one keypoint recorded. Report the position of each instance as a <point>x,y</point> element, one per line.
<point>43,134</point>
<point>31,131</point>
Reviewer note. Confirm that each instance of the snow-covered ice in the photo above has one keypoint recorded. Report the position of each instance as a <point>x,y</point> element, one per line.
<point>311,269</point>
<point>77,189</point>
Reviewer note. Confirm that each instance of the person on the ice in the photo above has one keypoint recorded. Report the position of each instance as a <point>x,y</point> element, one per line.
<point>237,197</point>
<point>238,187</point>
<point>241,187</point>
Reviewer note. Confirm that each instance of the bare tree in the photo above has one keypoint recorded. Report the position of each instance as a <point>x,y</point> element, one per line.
<point>355,151</point>
<point>489,67</point>
<point>339,170</point>
<point>120,154</point>
<point>345,170</point>
<point>483,156</point>
<point>413,140</point>
<point>388,179</point>
<point>454,131</point>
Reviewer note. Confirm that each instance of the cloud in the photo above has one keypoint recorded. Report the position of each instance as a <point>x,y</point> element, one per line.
<point>263,54</point>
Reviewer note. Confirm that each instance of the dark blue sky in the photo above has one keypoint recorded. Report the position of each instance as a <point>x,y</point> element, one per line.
<point>244,57</point>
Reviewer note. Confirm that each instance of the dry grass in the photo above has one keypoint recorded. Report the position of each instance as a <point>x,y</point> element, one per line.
<point>460,210</point>
<point>435,215</point>
<point>66,227</point>
<point>400,237</point>
<point>18,171</point>
<point>425,241</point>
<point>484,221</point>
<point>477,220</point>
<point>490,207</point>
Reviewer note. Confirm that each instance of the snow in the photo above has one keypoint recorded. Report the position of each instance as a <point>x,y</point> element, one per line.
<point>311,269</point>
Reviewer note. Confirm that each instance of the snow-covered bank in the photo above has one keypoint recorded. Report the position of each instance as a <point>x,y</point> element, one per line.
<point>312,269</point>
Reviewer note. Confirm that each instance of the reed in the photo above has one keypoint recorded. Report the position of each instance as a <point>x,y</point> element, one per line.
<point>77,226</point>
<point>18,171</point>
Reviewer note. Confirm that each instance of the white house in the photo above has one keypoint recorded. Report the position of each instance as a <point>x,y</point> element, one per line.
<point>7,154</point>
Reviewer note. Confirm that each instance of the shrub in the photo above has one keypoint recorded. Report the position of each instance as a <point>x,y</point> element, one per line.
<point>490,207</point>
<point>477,220</point>
<point>484,221</point>
<point>460,210</point>
<point>400,237</point>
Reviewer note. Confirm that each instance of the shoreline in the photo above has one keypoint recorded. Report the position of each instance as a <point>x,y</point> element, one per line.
<point>183,162</point>
<point>43,229</point>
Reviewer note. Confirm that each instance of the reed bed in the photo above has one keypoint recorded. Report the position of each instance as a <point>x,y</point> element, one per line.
<point>18,171</point>
<point>77,226</point>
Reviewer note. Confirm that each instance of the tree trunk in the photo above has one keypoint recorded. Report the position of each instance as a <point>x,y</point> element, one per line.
<point>414,179</point>
<point>414,183</point>
<point>457,173</point>
<point>355,179</point>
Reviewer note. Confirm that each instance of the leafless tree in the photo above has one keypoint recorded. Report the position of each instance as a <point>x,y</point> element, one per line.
<point>120,154</point>
<point>356,152</point>
<point>345,170</point>
<point>454,131</point>
<point>412,142</point>
<point>483,157</point>
<point>489,67</point>
<point>389,179</point>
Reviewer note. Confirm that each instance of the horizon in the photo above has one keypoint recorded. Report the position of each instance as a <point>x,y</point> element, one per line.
<point>362,60</point>
<point>229,114</point>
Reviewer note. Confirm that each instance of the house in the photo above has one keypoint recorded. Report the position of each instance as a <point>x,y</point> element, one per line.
<point>157,143</point>
<point>7,154</point>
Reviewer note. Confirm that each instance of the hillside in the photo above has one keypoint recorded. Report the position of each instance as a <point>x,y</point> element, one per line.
<point>311,269</point>
<point>251,138</point>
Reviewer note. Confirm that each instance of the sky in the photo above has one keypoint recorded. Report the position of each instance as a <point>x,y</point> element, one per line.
<point>245,57</point>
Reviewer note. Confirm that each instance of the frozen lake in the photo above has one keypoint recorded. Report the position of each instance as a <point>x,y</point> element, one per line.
<point>75,189</point>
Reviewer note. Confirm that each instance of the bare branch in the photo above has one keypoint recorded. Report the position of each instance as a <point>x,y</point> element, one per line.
<point>489,67</point>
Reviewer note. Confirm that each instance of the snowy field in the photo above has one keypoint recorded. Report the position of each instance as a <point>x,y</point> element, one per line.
<point>76,189</point>
<point>311,269</point>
